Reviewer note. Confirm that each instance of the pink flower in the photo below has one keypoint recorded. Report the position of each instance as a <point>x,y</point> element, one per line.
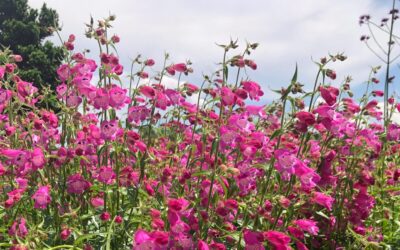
<point>101,100</point>
<point>162,102</point>
<point>42,197</point>
<point>170,70</point>
<point>323,200</point>
<point>253,89</point>
<point>144,240</point>
<point>18,228</point>
<point>305,119</point>
<point>174,96</point>
<point>137,114</point>
<point>2,169</point>
<point>308,177</point>
<point>5,96</point>
<point>109,129</point>
<point>251,64</point>
<point>278,240</point>
<point>329,94</point>
<point>201,245</point>
<point>253,240</point>
<point>118,219</point>
<point>149,62</point>
<point>65,233</point>
<point>331,74</point>
<point>77,184</point>
<point>97,202</point>
<point>22,183</point>
<point>128,177</point>
<point>256,110</point>
<point>118,97</point>
<point>105,216</point>
<point>2,72</point>
<point>73,100</point>
<point>190,88</point>
<point>37,158</point>
<point>179,67</point>
<point>148,91</point>
<point>13,197</point>
<point>178,204</point>
<point>25,89</point>
<point>227,96</point>
<point>285,162</point>
<point>106,175</point>
<point>63,72</point>
<point>307,225</point>
<point>17,157</point>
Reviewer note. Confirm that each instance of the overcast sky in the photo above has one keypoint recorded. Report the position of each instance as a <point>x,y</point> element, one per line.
<point>288,32</point>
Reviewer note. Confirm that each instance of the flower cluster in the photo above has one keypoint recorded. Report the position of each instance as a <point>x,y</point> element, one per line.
<point>146,167</point>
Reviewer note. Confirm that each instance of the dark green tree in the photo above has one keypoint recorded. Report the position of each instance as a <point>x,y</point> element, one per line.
<point>24,30</point>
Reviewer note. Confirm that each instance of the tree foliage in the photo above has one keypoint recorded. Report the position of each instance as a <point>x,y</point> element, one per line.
<point>24,30</point>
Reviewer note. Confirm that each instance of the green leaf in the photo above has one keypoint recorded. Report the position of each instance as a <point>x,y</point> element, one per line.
<point>201,173</point>
<point>320,213</point>
<point>83,237</point>
<point>109,233</point>
<point>294,78</point>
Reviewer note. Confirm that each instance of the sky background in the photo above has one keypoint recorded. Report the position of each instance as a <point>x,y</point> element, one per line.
<point>288,32</point>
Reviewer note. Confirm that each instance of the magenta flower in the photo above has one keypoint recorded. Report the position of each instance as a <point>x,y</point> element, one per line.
<point>13,197</point>
<point>162,101</point>
<point>18,228</point>
<point>2,169</point>
<point>201,245</point>
<point>329,94</point>
<point>2,72</point>
<point>37,158</point>
<point>97,202</point>
<point>323,200</point>
<point>307,225</point>
<point>106,175</point>
<point>137,114</point>
<point>227,96</point>
<point>285,162</point>
<point>253,240</point>
<point>144,240</point>
<point>174,96</point>
<point>179,67</point>
<point>77,184</point>
<point>256,110</point>
<point>178,204</point>
<point>42,197</point>
<point>149,62</point>
<point>25,89</point>
<point>308,177</point>
<point>73,100</point>
<point>102,99</point>
<point>105,216</point>
<point>5,96</point>
<point>253,89</point>
<point>109,129</point>
<point>65,233</point>
<point>17,157</point>
<point>118,97</point>
<point>278,240</point>
<point>305,119</point>
<point>148,91</point>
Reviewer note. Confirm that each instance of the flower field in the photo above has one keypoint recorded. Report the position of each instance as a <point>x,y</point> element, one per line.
<point>131,163</point>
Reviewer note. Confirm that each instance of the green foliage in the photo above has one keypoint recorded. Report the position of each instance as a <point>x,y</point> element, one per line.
<point>23,30</point>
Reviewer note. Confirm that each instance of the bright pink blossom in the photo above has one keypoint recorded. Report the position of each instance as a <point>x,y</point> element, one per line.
<point>278,240</point>
<point>77,184</point>
<point>42,197</point>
